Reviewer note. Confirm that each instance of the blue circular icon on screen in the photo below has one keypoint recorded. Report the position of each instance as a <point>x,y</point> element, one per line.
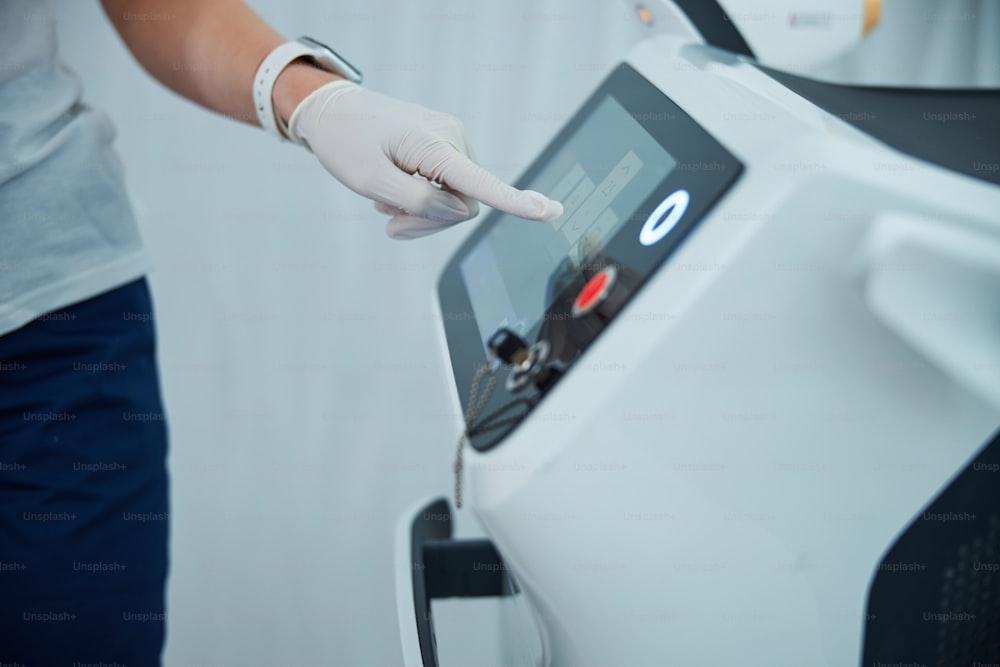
<point>664,217</point>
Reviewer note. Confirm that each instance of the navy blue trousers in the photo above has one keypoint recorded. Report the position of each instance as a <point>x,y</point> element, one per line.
<point>83,487</point>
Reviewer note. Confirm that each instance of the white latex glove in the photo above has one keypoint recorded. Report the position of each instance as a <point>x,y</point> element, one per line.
<point>375,145</point>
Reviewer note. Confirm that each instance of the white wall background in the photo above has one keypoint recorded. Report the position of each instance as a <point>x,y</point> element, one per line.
<point>306,400</point>
<point>305,397</point>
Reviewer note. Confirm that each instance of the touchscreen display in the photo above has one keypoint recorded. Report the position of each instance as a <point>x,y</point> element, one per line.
<point>605,170</point>
<point>635,174</point>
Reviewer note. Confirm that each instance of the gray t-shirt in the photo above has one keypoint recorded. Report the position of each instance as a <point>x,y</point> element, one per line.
<point>67,231</point>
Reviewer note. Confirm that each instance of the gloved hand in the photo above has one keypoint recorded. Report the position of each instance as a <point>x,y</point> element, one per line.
<point>374,145</point>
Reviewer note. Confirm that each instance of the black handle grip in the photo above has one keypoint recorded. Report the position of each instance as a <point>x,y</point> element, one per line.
<point>444,568</point>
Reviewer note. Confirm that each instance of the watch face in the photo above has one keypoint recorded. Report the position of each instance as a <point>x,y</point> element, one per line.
<point>314,43</point>
<point>331,60</point>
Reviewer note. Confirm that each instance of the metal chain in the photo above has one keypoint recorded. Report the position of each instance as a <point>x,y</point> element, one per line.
<point>475,405</point>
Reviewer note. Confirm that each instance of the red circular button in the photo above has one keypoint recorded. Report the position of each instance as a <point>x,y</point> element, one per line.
<point>595,291</point>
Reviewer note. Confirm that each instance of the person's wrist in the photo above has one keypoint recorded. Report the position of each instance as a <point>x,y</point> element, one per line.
<point>295,83</point>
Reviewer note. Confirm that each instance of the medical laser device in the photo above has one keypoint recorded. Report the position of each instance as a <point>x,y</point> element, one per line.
<point>740,403</point>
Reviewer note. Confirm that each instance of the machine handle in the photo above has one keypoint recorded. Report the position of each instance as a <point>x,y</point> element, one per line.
<point>431,565</point>
<point>936,284</point>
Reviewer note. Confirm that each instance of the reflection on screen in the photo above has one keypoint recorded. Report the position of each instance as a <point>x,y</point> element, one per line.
<point>607,168</point>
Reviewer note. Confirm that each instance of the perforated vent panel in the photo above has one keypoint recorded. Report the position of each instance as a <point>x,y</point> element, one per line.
<point>935,597</point>
<point>970,594</point>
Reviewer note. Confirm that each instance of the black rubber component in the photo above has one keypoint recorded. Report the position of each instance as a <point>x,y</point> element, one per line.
<point>935,596</point>
<point>956,129</point>
<point>462,569</point>
<point>508,346</point>
<point>445,568</point>
<point>714,25</point>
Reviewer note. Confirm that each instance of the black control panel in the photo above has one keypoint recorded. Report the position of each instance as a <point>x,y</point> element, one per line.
<point>634,174</point>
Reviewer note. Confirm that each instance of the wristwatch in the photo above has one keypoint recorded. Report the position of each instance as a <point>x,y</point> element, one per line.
<point>320,54</point>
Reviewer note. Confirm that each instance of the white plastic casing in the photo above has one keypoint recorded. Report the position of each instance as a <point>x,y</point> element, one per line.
<point>716,479</point>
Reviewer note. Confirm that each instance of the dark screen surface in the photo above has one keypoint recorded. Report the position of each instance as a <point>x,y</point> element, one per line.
<point>601,174</point>
<point>635,174</point>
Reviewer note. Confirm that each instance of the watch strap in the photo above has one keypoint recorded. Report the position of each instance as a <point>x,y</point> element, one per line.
<point>263,84</point>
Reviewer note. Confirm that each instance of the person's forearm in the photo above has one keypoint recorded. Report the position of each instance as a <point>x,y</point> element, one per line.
<point>208,51</point>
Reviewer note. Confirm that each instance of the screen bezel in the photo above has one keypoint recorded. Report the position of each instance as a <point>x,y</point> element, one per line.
<point>704,168</point>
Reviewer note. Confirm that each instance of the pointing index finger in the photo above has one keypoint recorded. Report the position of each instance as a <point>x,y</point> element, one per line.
<point>463,175</point>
